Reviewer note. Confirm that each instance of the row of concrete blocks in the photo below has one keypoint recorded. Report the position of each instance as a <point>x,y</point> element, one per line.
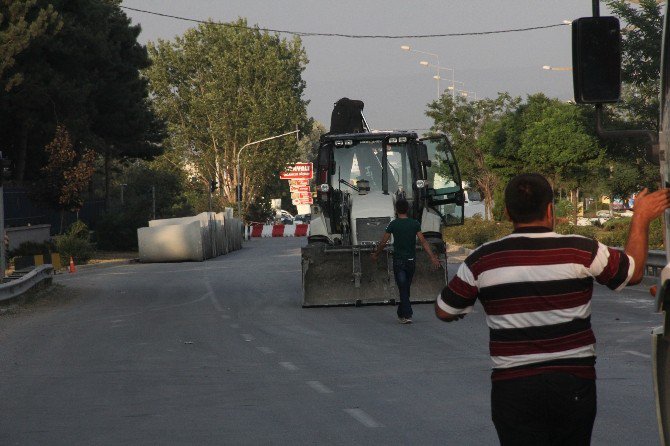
<point>196,238</point>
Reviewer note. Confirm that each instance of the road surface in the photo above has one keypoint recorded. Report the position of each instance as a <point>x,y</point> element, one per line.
<point>221,352</point>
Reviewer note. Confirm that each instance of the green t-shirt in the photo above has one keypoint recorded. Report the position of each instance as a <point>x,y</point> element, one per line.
<point>404,237</point>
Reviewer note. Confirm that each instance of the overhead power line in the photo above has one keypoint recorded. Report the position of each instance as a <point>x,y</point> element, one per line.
<point>348,36</point>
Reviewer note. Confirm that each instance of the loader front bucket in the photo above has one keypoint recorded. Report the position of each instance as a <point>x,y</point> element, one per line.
<point>334,275</point>
<point>344,276</point>
<point>428,282</point>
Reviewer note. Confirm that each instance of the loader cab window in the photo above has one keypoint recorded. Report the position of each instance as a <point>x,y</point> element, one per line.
<point>444,179</point>
<point>443,173</point>
<point>400,174</point>
<point>364,161</point>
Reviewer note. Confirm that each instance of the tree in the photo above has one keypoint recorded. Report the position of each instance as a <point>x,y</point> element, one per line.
<point>86,78</point>
<point>641,60</point>
<point>222,87</point>
<point>20,24</point>
<point>464,122</point>
<point>66,175</point>
<point>545,136</point>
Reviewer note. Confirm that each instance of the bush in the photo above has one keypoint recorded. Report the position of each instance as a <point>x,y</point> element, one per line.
<point>117,232</point>
<point>568,229</point>
<point>476,231</point>
<point>32,248</point>
<point>565,208</point>
<point>75,243</point>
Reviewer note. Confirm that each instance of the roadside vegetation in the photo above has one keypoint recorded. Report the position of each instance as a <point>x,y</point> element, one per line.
<point>614,232</point>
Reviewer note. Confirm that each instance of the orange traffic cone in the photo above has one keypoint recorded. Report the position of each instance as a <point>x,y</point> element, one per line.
<point>72,268</point>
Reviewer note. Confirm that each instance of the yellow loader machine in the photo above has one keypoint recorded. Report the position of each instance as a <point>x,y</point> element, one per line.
<point>358,177</point>
<point>596,54</point>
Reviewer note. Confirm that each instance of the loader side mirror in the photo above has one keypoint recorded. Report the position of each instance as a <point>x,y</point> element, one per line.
<point>596,60</point>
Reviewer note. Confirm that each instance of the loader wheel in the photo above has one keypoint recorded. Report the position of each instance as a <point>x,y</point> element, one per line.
<point>313,239</point>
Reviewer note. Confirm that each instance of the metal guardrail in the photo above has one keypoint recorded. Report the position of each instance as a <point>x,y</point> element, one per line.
<point>15,288</point>
<point>656,260</point>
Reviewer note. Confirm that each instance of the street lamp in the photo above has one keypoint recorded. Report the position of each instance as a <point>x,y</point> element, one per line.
<point>550,68</point>
<point>466,93</point>
<point>438,77</point>
<point>437,58</point>
<point>238,190</point>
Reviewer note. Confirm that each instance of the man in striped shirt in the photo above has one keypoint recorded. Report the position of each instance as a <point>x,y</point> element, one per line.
<point>535,287</point>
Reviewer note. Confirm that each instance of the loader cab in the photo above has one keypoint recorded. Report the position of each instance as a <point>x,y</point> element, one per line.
<point>365,173</point>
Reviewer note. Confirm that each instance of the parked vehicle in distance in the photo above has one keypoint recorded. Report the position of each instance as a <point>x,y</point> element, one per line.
<point>283,217</point>
<point>302,218</point>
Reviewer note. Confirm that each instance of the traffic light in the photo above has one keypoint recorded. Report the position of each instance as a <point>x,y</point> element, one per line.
<point>213,184</point>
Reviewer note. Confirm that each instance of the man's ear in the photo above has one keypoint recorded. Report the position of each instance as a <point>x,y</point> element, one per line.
<point>507,214</point>
<point>550,212</point>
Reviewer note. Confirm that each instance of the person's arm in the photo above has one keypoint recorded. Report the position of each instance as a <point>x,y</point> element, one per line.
<point>444,316</point>
<point>380,246</point>
<point>648,206</point>
<point>458,298</point>
<point>426,247</point>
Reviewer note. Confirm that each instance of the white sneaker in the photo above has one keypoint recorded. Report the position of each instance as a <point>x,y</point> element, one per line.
<point>405,320</point>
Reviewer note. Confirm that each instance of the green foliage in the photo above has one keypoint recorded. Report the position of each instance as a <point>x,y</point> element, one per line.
<point>21,23</point>
<point>32,248</point>
<point>75,243</point>
<point>567,229</point>
<point>86,77</point>
<point>475,231</point>
<point>117,229</point>
<point>466,125</point>
<point>222,87</point>
<point>564,209</point>
<point>117,232</point>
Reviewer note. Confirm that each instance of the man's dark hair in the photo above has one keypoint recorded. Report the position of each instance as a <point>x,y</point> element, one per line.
<point>401,206</point>
<point>527,196</point>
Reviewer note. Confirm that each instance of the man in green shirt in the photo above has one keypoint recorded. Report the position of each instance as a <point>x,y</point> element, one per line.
<point>405,230</point>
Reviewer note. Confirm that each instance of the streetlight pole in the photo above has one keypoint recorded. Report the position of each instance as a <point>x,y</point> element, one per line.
<point>438,77</point>
<point>437,58</point>
<point>238,190</point>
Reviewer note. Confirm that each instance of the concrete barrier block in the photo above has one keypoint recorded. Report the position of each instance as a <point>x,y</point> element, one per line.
<point>171,243</point>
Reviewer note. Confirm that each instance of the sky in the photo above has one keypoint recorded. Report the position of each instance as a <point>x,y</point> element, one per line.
<point>394,86</point>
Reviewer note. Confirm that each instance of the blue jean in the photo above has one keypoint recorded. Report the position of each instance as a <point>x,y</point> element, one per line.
<point>403,270</point>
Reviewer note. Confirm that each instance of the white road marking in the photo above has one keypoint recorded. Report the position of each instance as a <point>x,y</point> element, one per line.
<point>212,297</point>
<point>289,366</point>
<point>266,350</point>
<point>319,387</point>
<point>634,353</point>
<point>248,337</point>
<point>363,418</point>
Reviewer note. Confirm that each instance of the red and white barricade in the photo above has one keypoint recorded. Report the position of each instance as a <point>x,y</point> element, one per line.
<point>260,230</point>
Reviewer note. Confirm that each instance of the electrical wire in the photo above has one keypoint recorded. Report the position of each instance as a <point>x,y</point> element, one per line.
<point>348,36</point>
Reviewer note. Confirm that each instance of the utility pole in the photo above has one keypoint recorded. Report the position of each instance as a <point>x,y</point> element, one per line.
<point>3,261</point>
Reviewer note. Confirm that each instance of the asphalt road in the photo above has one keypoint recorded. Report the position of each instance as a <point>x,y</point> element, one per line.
<point>221,352</point>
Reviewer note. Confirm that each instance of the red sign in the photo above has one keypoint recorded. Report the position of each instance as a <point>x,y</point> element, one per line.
<point>297,171</point>
<point>302,201</point>
<point>299,188</point>
<point>301,195</point>
<point>298,182</point>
